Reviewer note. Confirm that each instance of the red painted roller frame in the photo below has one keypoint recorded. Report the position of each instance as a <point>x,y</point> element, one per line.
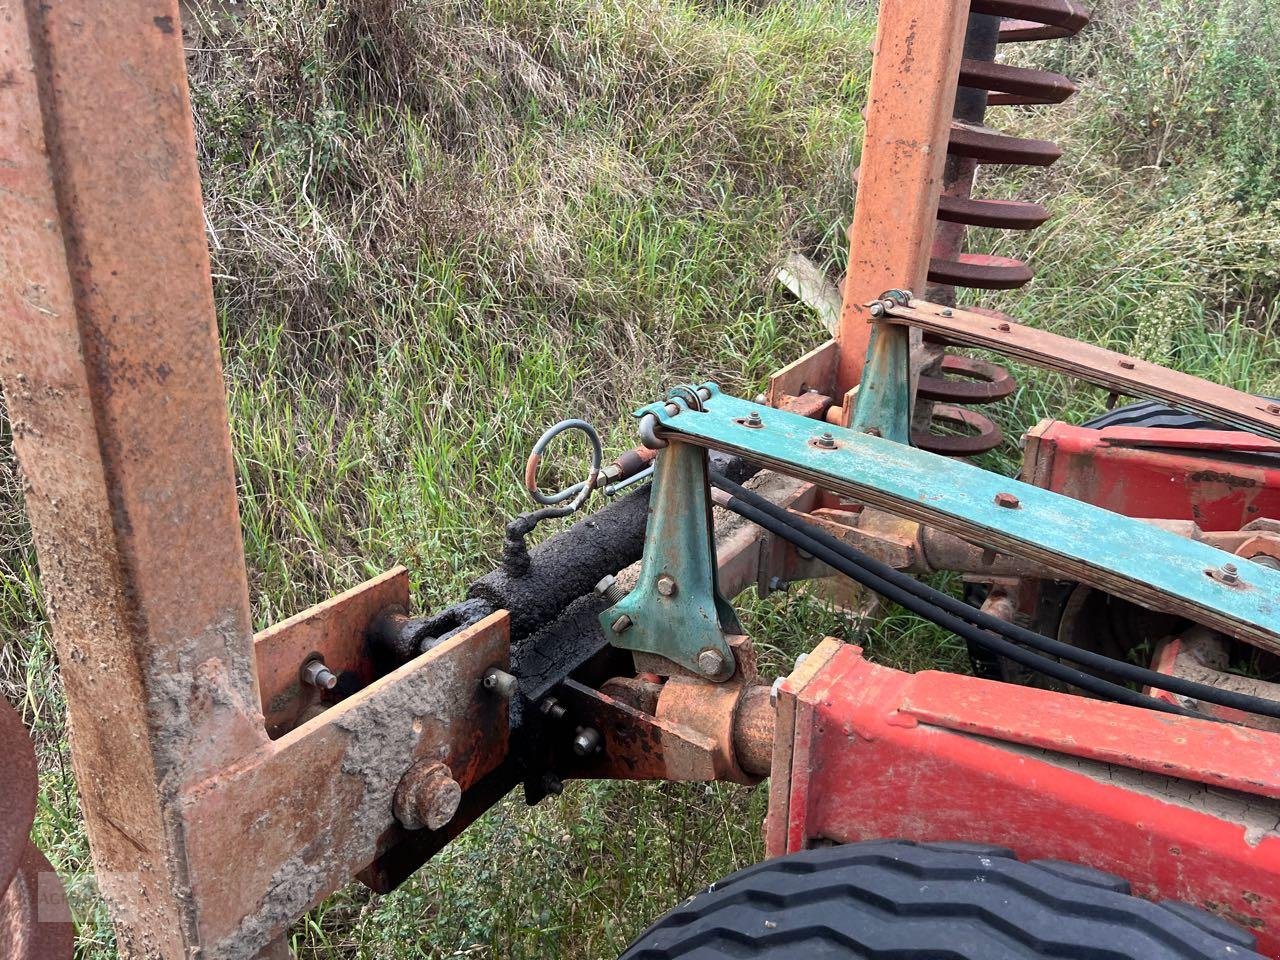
<point>1178,806</point>
<point>1220,479</point>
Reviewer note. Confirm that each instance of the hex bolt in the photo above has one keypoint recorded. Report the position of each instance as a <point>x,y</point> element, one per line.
<point>667,585</point>
<point>500,682</point>
<point>621,625</point>
<point>427,796</point>
<point>1008,501</point>
<point>1273,408</point>
<point>610,589</point>
<point>587,742</point>
<point>777,583</point>
<point>948,313</point>
<point>316,674</point>
<point>1004,328</point>
<point>553,708</point>
<point>1126,364</point>
<point>711,662</point>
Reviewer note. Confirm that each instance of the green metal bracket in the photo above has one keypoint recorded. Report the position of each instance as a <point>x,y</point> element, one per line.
<point>883,405</point>
<point>676,610</point>
<point>1119,554</point>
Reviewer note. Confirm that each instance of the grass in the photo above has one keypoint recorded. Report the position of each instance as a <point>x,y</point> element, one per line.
<point>439,225</point>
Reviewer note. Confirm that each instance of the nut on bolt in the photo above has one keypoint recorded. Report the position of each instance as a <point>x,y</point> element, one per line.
<point>824,442</point>
<point>427,796</point>
<point>587,741</point>
<point>1228,573</point>
<point>500,682</point>
<point>316,674</point>
<point>610,589</point>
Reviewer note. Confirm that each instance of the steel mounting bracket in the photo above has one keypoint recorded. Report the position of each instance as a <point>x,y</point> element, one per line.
<point>676,610</point>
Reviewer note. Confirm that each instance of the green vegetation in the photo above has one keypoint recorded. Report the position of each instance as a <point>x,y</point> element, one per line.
<point>439,225</point>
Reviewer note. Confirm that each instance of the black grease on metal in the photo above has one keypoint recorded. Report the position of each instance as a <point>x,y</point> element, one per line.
<point>537,588</point>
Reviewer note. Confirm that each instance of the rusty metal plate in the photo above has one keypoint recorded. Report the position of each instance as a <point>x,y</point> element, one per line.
<point>980,271</point>
<point>304,813</point>
<point>336,630</point>
<point>1107,368</point>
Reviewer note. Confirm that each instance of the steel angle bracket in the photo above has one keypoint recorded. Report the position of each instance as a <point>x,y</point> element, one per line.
<point>676,609</point>
<point>1120,555</point>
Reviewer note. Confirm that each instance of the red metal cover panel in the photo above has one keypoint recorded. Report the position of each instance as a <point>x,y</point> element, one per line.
<point>1220,479</point>
<point>928,757</point>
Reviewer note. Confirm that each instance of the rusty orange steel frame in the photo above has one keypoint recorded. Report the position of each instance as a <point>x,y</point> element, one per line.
<point>224,797</point>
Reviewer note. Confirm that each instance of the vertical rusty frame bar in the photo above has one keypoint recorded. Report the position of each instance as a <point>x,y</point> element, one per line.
<point>914,78</point>
<point>110,365</point>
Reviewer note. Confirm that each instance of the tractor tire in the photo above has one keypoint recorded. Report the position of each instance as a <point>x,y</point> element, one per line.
<point>932,901</point>
<point>1152,413</point>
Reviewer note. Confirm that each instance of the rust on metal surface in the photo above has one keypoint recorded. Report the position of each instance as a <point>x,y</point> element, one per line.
<point>998,214</point>
<point>991,146</point>
<point>109,362</point>
<point>427,796</point>
<point>35,923</point>
<point>815,371</point>
<point>301,815</point>
<point>1095,364</point>
<point>336,630</point>
<point>913,87</point>
<point>980,432</point>
<point>967,380</point>
<point>1065,16</point>
<point>1037,86</point>
<point>981,271</point>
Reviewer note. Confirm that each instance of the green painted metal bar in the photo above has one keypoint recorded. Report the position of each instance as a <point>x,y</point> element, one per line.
<point>1123,556</point>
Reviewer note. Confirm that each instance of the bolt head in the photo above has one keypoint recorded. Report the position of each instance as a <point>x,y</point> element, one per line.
<point>948,313</point>
<point>427,796</point>
<point>1008,501</point>
<point>711,662</point>
<point>1273,408</point>
<point>1004,328</point>
<point>621,625</point>
<point>667,585</point>
<point>1126,364</point>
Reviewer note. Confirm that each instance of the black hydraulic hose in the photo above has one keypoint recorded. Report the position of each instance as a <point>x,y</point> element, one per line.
<point>1011,631</point>
<point>997,644</point>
